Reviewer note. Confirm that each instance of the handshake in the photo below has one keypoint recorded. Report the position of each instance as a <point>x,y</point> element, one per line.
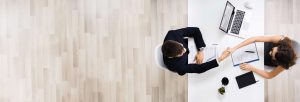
<point>225,54</point>
<point>199,56</point>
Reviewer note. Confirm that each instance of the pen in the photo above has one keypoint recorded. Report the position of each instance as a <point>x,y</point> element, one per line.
<point>250,51</point>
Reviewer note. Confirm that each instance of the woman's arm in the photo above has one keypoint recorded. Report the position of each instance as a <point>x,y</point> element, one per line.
<point>268,75</point>
<point>274,39</point>
<point>263,73</point>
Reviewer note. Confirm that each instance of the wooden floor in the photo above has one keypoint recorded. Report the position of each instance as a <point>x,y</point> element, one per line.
<point>283,17</point>
<point>87,50</point>
<point>102,50</point>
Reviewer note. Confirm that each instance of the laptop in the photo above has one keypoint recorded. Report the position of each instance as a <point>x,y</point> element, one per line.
<point>233,22</point>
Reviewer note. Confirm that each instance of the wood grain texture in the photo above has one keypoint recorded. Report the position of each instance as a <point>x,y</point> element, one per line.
<point>87,50</point>
<point>283,17</point>
<point>102,50</point>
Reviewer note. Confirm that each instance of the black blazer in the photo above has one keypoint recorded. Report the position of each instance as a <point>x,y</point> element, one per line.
<point>180,64</point>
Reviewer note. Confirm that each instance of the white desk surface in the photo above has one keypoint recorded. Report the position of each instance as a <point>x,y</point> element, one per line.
<point>207,14</point>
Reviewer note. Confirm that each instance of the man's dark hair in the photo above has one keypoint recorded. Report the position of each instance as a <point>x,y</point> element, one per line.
<point>171,48</point>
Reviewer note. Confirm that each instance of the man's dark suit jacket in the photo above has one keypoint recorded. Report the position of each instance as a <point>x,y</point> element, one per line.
<point>180,64</point>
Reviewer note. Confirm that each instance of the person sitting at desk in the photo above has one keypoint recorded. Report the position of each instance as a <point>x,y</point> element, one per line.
<point>175,52</point>
<point>278,53</point>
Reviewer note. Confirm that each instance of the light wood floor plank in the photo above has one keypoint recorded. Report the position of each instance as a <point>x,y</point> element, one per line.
<point>102,50</point>
<point>282,17</point>
<point>87,50</point>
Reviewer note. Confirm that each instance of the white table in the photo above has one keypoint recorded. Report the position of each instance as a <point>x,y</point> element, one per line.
<point>207,14</point>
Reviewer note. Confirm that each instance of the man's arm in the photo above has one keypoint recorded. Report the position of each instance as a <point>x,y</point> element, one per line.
<point>200,68</point>
<point>197,68</point>
<point>195,33</point>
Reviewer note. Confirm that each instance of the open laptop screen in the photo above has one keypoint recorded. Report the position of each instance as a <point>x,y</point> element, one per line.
<point>227,16</point>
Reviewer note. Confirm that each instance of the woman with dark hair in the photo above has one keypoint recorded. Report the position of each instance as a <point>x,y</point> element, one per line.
<point>278,53</point>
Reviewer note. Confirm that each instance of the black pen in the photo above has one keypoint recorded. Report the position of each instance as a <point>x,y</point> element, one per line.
<point>250,51</point>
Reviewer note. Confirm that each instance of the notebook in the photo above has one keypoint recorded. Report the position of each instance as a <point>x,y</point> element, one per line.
<point>245,54</point>
<point>209,52</point>
<point>245,79</point>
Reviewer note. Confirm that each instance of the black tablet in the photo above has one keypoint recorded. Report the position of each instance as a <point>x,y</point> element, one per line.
<point>245,80</point>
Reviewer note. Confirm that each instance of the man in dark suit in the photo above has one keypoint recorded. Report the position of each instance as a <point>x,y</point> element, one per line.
<point>175,52</point>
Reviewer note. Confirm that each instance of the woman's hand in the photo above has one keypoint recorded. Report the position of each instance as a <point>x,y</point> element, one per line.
<point>246,67</point>
<point>231,50</point>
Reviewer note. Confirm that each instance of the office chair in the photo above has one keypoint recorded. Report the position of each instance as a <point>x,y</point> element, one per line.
<point>158,56</point>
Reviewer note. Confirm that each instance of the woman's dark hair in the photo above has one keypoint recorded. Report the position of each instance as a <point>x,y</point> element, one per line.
<point>171,48</point>
<point>285,56</point>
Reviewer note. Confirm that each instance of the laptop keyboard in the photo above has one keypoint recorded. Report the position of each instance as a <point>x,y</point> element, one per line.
<point>237,23</point>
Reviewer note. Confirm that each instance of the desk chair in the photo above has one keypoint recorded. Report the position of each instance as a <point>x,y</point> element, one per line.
<point>158,56</point>
<point>296,46</point>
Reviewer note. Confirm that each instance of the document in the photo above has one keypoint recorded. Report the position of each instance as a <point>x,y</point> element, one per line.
<point>245,54</point>
<point>209,52</point>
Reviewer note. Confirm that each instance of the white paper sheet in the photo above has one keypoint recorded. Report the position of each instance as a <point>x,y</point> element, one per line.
<point>242,56</point>
<point>209,52</point>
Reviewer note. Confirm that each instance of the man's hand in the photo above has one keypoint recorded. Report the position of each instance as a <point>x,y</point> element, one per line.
<point>199,57</point>
<point>225,54</point>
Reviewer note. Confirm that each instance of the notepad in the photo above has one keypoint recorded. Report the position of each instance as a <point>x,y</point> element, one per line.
<point>209,52</point>
<point>245,79</point>
<point>245,54</point>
